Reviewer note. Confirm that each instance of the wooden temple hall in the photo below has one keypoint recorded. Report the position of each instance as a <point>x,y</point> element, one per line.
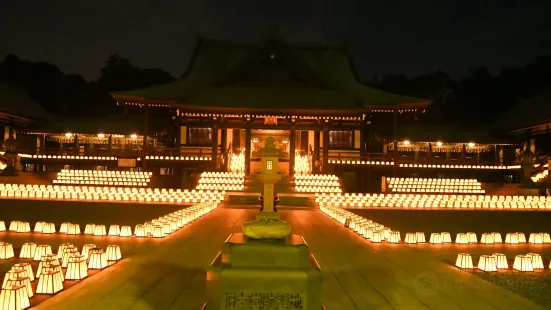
<point>234,95</point>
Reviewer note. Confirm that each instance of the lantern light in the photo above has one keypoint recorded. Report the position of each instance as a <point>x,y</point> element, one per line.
<point>97,259</point>
<point>113,252</point>
<point>487,263</point>
<point>394,237</point>
<point>14,297</point>
<point>461,238</point>
<point>49,282</point>
<point>27,250</point>
<point>126,231</point>
<point>464,261</point>
<point>77,269</point>
<point>410,238</point>
<point>537,262</point>
<point>446,237</point>
<point>86,249</point>
<point>435,238</point>
<point>523,263</point>
<point>420,236</point>
<point>26,267</point>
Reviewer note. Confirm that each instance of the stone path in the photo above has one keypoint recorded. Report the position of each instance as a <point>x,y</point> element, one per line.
<point>170,274</point>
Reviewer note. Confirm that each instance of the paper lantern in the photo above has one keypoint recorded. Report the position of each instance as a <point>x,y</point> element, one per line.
<point>23,227</point>
<point>21,281</point>
<point>26,267</point>
<point>497,237</point>
<point>89,229</point>
<point>410,238</point>
<point>27,250</point>
<point>167,231</point>
<point>394,237</point>
<point>55,266</point>
<point>487,238</point>
<point>446,237</point>
<point>86,249</point>
<point>64,228</point>
<point>6,250</point>
<point>487,263</point>
<point>100,230</point>
<point>546,237</point>
<point>49,228</point>
<point>523,263</point>
<point>42,249</point>
<point>74,229</point>
<point>521,237</point>
<point>461,238</point>
<point>49,283</point>
<point>13,226</point>
<point>14,297</point>
<point>113,252</point>
<point>435,238</point>
<point>76,269</point>
<point>126,231</point>
<point>378,236</point>
<point>139,231</point>
<point>148,228</point>
<point>2,226</point>
<point>158,231</point>
<point>45,262</point>
<point>537,262</point>
<point>420,237</point>
<point>114,230</point>
<point>501,261</point>
<point>511,238</point>
<point>67,254</point>
<point>38,226</point>
<point>472,237</point>
<point>13,274</point>
<point>61,249</point>
<point>97,259</point>
<point>536,238</point>
<point>464,261</point>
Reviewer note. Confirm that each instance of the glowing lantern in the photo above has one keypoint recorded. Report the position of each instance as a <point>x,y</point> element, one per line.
<point>446,237</point>
<point>25,267</point>
<point>38,227</point>
<point>64,228</point>
<point>114,230</point>
<point>523,263</point>
<point>157,231</point>
<point>61,249</point>
<point>536,238</point>
<point>511,238</point>
<point>139,231</point>
<point>546,237</point>
<point>6,250</point>
<point>77,269</point>
<point>378,236</point>
<point>487,238</point>
<point>23,227</point>
<point>14,297</point>
<point>44,262</point>
<point>420,236</point>
<point>97,259</point>
<point>67,254</point>
<point>501,261</point>
<point>41,250</point>
<point>89,229</point>
<point>472,237</point>
<point>410,238</point>
<point>521,237</point>
<point>99,230</point>
<point>74,229</point>
<point>394,237</point>
<point>497,237</point>
<point>113,252</point>
<point>48,228</point>
<point>27,250</point>
<point>464,261</point>
<point>537,262</point>
<point>435,238</point>
<point>13,226</point>
<point>13,274</point>
<point>24,280</point>
<point>461,238</point>
<point>49,282</point>
<point>126,231</point>
<point>487,263</point>
<point>2,226</point>
<point>86,249</point>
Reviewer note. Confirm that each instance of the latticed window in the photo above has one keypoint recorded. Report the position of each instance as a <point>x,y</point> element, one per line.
<point>269,165</point>
<point>200,136</point>
<point>341,139</point>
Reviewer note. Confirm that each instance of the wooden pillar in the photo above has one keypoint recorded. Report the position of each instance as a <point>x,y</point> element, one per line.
<point>363,134</point>
<point>42,143</point>
<point>429,152</point>
<point>110,143</point>
<point>223,147</point>
<point>75,144</point>
<point>463,151</point>
<point>292,148</point>
<point>214,154</point>
<point>247,150</point>
<point>304,142</point>
<point>145,128</point>
<point>316,157</point>
<point>236,140</point>
<point>325,151</point>
<point>395,141</point>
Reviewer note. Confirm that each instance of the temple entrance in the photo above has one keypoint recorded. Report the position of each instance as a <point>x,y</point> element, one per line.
<point>281,141</point>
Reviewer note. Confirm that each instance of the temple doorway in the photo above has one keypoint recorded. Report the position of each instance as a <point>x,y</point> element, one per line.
<point>258,140</point>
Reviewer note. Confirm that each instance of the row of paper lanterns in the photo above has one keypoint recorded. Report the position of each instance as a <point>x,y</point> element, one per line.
<point>498,261</point>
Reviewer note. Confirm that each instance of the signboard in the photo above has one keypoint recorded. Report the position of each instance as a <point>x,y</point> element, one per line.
<point>126,162</point>
<point>270,120</point>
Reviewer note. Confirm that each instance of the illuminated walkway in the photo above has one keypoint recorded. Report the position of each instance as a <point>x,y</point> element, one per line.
<point>171,273</point>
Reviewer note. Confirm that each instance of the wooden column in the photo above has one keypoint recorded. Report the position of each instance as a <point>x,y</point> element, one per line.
<point>110,143</point>
<point>42,143</point>
<point>316,151</point>
<point>395,141</point>
<point>236,140</point>
<point>363,134</point>
<point>463,151</point>
<point>223,147</point>
<point>75,144</point>
<point>325,151</point>
<point>247,150</point>
<point>292,148</point>
<point>429,152</point>
<point>145,129</point>
<point>214,154</point>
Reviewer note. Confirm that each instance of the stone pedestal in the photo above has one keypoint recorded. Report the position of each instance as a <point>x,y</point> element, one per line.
<point>264,275</point>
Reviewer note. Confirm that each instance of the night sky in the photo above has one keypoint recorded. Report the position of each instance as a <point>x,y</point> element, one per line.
<point>411,37</point>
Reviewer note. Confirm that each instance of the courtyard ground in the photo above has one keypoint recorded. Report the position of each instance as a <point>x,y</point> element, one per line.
<point>170,273</point>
